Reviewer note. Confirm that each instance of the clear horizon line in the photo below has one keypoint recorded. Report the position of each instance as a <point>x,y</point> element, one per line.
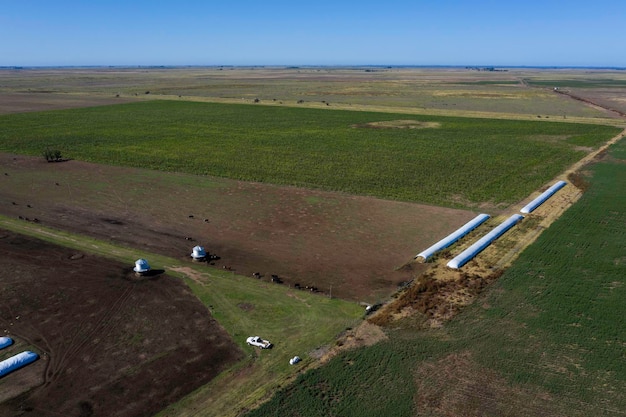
<point>481,66</point>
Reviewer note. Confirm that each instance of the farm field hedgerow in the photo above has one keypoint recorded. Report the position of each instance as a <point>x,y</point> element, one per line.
<point>457,162</point>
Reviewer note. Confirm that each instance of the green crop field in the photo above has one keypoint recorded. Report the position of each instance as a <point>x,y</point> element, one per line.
<point>546,339</point>
<point>458,162</point>
<point>580,83</point>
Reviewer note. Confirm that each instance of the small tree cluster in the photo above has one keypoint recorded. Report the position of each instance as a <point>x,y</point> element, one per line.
<point>52,155</point>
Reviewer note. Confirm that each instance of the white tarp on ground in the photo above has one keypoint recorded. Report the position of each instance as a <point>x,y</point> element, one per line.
<point>462,258</point>
<point>453,237</point>
<point>5,341</point>
<point>528,208</point>
<point>17,361</point>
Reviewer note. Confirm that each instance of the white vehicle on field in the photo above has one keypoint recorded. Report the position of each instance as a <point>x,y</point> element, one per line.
<point>258,342</point>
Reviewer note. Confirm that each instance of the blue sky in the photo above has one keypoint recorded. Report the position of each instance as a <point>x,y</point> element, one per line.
<point>322,32</point>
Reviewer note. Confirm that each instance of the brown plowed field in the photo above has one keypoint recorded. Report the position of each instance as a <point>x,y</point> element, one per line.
<point>110,343</point>
<point>313,238</point>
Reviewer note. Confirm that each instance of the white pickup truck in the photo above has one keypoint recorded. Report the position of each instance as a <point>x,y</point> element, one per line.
<point>257,341</point>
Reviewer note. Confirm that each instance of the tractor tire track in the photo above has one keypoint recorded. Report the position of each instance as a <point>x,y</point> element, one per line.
<point>81,338</point>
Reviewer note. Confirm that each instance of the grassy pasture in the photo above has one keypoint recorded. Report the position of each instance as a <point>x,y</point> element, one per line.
<point>404,89</point>
<point>580,83</point>
<point>546,339</point>
<point>461,162</point>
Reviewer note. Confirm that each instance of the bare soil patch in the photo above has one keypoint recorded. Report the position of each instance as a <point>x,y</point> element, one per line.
<point>109,345</point>
<point>398,124</point>
<point>315,239</point>
<point>365,334</point>
<point>437,295</point>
